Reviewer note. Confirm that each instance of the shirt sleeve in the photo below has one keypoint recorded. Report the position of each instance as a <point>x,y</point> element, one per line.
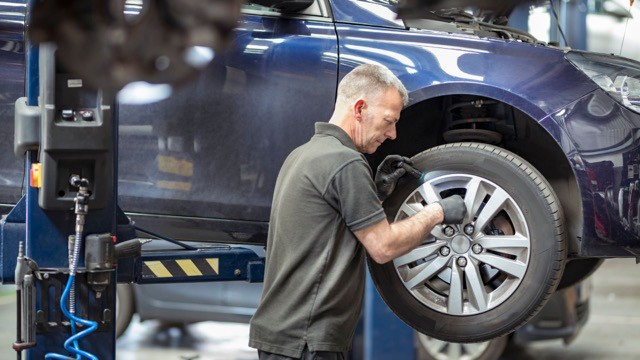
<point>353,192</point>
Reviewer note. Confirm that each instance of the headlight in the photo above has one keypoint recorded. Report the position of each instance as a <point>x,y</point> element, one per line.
<point>619,77</point>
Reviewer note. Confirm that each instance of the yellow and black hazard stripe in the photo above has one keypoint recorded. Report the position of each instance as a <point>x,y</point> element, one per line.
<point>180,268</point>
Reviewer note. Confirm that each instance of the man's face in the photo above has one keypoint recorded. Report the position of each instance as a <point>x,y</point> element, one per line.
<point>378,120</point>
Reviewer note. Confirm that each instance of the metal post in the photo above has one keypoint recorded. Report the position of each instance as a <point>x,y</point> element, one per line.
<point>576,28</point>
<point>385,336</point>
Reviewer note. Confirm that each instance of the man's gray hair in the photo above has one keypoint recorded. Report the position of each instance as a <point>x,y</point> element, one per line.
<point>369,79</point>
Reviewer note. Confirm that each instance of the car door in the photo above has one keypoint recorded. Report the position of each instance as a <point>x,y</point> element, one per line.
<point>12,17</point>
<point>214,148</point>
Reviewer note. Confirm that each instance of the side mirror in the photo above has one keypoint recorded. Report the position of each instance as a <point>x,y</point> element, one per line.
<point>285,6</point>
<point>614,9</point>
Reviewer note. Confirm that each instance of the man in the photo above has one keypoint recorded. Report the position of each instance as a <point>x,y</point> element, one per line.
<point>326,211</point>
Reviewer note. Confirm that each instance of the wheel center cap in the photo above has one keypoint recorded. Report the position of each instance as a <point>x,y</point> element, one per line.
<point>460,244</point>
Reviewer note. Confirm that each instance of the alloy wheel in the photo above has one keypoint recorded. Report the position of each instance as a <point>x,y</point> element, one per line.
<point>469,268</point>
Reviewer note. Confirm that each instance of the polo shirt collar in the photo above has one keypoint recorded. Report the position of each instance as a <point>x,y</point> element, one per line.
<point>323,128</point>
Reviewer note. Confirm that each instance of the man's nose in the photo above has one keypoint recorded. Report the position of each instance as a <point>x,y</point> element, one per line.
<point>391,134</point>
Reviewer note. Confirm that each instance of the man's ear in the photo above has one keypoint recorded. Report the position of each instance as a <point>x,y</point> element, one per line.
<point>357,109</point>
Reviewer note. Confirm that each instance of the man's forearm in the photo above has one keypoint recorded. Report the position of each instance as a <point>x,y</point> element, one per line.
<point>410,232</point>
<point>385,241</point>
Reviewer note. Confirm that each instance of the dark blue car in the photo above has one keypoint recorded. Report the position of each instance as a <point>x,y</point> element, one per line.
<point>541,141</point>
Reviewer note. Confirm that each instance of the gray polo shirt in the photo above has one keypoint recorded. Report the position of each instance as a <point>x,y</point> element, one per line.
<point>315,275</point>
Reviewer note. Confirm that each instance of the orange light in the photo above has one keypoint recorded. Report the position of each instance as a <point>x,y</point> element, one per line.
<point>35,178</point>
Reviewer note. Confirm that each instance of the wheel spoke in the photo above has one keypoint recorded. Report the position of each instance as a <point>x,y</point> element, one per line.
<point>491,208</point>
<point>428,193</point>
<point>418,253</point>
<point>475,288</point>
<point>455,351</point>
<point>437,233</point>
<point>471,198</point>
<point>512,251</point>
<point>454,304</point>
<point>425,271</point>
<point>511,267</point>
<point>473,348</point>
<point>436,346</point>
<point>503,241</point>
<point>410,208</point>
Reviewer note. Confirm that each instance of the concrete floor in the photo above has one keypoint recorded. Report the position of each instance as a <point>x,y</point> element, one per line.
<point>612,331</point>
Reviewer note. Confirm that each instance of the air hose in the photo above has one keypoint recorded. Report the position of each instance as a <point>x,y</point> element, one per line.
<point>68,295</point>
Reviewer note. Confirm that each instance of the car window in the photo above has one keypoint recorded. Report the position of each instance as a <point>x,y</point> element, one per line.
<point>367,12</point>
<point>318,8</point>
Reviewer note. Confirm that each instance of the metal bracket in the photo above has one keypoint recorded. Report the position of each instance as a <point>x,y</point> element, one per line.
<point>215,264</point>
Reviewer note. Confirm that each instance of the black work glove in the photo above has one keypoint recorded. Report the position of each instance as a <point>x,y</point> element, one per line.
<point>453,208</point>
<point>388,174</point>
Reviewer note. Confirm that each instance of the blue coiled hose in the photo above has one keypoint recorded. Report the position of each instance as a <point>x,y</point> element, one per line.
<point>71,344</point>
<point>91,327</point>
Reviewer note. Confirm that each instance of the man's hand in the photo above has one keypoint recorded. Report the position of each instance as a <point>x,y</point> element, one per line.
<point>388,174</point>
<point>453,209</point>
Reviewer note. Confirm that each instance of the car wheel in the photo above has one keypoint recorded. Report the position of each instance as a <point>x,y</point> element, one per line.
<point>125,308</point>
<point>486,277</point>
<point>433,349</point>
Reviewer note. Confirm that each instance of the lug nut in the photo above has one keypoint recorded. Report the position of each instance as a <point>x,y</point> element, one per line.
<point>448,230</point>
<point>468,229</point>
<point>476,248</point>
<point>444,251</point>
<point>462,261</point>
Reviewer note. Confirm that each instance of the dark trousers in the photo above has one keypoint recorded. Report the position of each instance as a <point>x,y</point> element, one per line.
<point>306,355</point>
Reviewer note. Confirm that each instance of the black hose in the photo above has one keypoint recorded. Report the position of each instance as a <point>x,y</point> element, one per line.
<point>179,243</point>
<point>555,14</point>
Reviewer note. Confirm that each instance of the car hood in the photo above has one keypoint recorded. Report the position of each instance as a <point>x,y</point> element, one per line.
<point>491,10</point>
<point>489,20</point>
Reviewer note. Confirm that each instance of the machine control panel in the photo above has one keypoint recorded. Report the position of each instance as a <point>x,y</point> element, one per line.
<point>76,136</point>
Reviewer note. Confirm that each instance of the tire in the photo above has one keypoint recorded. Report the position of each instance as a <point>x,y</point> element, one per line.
<point>503,273</point>
<point>125,307</point>
<point>429,348</point>
<point>577,270</point>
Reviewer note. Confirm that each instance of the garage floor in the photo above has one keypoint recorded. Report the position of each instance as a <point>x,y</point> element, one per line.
<point>612,331</point>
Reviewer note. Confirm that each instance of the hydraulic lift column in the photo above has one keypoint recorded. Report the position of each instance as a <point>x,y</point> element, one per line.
<point>63,226</point>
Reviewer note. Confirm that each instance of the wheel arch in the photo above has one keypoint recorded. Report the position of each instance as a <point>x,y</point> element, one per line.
<point>537,138</point>
<point>483,90</point>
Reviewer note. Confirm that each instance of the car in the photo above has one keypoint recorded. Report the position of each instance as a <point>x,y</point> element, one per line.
<point>539,140</point>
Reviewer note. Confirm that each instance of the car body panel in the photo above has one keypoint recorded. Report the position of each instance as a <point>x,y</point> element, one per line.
<point>521,74</point>
<point>214,148</point>
<point>12,73</point>
<point>606,160</point>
